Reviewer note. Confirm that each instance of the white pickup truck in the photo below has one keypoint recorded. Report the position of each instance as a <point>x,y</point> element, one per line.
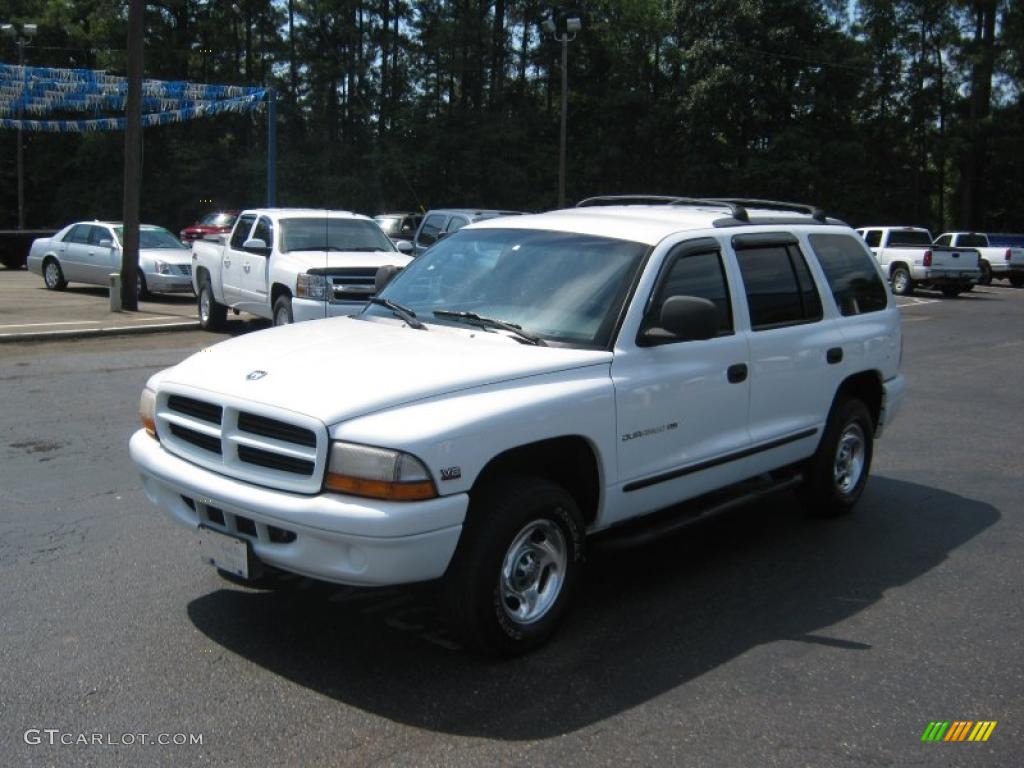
<point>997,263</point>
<point>910,259</point>
<point>291,264</point>
<point>529,382</point>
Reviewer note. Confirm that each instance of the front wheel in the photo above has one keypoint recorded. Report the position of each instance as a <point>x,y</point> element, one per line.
<point>902,284</point>
<point>835,476</point>
<point>516,566</point>
<point>212,314</point>
<point>283,311</point>
<point>53,275</point>
<point>142,292</point>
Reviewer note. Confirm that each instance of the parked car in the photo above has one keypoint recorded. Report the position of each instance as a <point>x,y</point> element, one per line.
<point>910,259</point>
<point>89,251</point>
<point>399,226</point>
<point>211,224</point>
<point>997,262</point>
<point>441,222</point>
<point>527,383</point>
<point>291,264</point>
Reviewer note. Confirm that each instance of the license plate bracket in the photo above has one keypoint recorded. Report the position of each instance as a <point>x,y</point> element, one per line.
<point>229,553</point>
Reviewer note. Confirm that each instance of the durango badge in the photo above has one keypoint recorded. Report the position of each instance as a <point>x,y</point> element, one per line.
<point>255,375</point>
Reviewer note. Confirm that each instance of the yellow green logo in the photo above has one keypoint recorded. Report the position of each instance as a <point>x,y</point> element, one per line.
<point>958,730</point>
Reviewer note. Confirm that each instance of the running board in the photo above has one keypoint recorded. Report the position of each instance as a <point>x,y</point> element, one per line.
<point>667,521</point>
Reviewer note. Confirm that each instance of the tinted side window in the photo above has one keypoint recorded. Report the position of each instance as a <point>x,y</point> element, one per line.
<point>694,274</point>
<point>873,237</point>
<point>78,234</point>
<point>430,229</point>
<point>241,233</point>
<point>99,233</point>
<point>851,274</point>
<point>264,231</point>
<point>779,289</point>
<point>945,240</point>
<point>457,223</point>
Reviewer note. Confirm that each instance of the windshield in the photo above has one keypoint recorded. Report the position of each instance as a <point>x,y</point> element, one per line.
<point>218,220</point>
<point>909,237</point>
<point>324,234</point>
<point>154,237</point>
<point>388,223</point>
<point>559,286</point>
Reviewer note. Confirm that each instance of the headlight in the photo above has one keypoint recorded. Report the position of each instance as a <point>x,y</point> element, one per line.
<point>309,286</point>
<point>147,411</point>
<point>162,267</point>
<point>378,473</point>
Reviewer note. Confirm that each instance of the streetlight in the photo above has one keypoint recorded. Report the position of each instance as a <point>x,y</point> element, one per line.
<point>563,26</point>
<point>21,34</point>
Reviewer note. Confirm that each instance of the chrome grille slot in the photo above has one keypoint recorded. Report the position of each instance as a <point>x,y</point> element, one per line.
<point>278,430</point>
<point>196,408</point>
<point>276,461</point>
<point>198,439</point>
<point>356,284</point>
<point>184,269</point>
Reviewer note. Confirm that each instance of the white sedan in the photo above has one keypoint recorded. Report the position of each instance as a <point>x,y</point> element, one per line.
<point>87,252</point>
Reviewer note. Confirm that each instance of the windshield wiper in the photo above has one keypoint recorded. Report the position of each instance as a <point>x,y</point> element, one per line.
<point>403,313</point>
<point>484,322</point>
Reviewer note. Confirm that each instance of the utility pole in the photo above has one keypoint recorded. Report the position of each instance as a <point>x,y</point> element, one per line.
<point>132,160</point>
<point>21,37</point>
<point>563,26</point>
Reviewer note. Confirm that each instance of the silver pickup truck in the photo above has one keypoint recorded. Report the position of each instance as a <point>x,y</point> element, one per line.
<point>910,259</point>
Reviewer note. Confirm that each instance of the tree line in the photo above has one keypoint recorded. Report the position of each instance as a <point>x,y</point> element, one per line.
<point>880,111</point>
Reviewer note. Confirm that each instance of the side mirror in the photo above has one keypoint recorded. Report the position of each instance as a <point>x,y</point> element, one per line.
<point>106,243</point>
<point>254,244</point>
<point>404,246</point>
<point>384,276</point>
<point>684,318</point>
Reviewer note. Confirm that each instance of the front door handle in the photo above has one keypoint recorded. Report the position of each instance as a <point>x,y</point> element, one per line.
<point>246,267</point>
<point>737,373</point>
<point>227,263</point>
<point>834,355</point>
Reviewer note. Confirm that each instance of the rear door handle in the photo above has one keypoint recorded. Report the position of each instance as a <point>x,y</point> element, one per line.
<point>834,355</point>
<point>737,373</point>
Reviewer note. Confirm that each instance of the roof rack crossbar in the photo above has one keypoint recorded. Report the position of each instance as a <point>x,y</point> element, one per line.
<point>736,210</point>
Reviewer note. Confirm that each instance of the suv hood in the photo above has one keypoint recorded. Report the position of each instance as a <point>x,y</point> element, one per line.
<point>337,369</point>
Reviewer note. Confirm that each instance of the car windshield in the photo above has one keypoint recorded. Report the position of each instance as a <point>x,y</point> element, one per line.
<point>389,224</point>
<point>154,237</point>
<point>909,237</point>
<point>558,286</point>
<point>217,220</point>
<point>325,234</point>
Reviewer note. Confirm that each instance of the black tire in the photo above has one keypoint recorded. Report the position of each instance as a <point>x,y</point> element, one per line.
<point>951,291</point>
<point>1017,281</point>
<point>522,520</point>
<point>140,286</point>
<point>53,275</point>
<point>826,492</point>
<point>283,311</point>
<point>213,315</point>
<point>986,273</point>
<point>902,284</point>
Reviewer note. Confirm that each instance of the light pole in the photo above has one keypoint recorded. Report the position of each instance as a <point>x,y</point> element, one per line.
<point>21,34</point>
<point>563,27</point>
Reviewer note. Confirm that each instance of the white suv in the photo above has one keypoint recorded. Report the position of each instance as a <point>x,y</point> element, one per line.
<point>529,382</point>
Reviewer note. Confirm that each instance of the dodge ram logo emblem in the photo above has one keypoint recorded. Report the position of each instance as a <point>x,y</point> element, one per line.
<point>256,375</point>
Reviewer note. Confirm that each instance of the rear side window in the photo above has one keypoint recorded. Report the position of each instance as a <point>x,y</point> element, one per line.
<point>779,287</point>
<point>695,274</point>
<point>78,234</point>
<point>241,233</point>
<point>873,237</point>
<point>431,229</point>
<point>851,274</point>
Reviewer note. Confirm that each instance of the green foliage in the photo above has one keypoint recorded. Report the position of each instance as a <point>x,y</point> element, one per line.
<point>877,110</point>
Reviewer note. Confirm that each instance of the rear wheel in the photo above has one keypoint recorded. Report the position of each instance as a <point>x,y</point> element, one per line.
<point>902,285</point>
<point>835,476</point>
<point>53,275</point>
<point>516,566</point>
<point>212,314</point>
<point>986,273</point>
<point>283,311</point>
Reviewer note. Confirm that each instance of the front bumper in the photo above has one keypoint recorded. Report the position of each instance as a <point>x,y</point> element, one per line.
<point>312,309</point>
<point>893,393</point>
<point>343,539</point>
<point>159,283</point>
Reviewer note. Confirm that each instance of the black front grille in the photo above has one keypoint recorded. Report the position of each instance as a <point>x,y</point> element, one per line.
<point>274,461</point>
<point>278,430</point>
<point>355,284</point>
<point>198,439</point>
<point>197,409</point>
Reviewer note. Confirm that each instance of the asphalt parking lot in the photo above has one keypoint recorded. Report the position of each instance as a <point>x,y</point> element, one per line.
<point>757,639</point>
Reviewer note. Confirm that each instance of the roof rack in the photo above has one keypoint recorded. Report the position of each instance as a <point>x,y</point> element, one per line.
<point>735,209</point>
<point>737,205</point>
